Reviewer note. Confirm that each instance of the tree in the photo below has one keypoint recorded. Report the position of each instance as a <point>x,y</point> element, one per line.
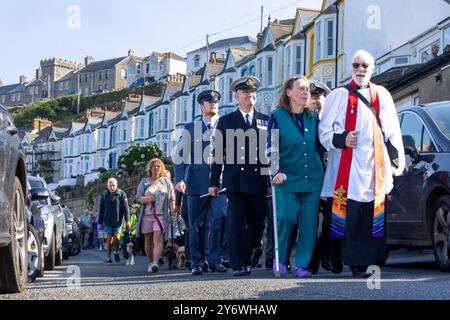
<point>138,156</point>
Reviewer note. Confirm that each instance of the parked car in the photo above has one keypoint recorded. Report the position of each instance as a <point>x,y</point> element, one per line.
<point>36,231</point>
<point>53,216</point>
<point>418,208</point>
<point>73,239</point>
<point>13,215</point>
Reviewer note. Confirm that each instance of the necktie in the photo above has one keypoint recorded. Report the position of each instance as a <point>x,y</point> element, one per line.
<point>247,120</point>
<point>209,126</point>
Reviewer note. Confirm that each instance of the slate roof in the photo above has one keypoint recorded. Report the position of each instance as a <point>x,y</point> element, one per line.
<point>102,65</point>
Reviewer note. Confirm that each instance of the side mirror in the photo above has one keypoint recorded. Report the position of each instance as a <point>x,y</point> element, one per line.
<point>55,199</point>
<point>410,148</point>
<point>39,194</point>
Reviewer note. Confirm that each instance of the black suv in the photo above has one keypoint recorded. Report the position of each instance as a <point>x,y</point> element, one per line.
<point>13,214</point>
<point>418,209</point>
<point>72,240</point>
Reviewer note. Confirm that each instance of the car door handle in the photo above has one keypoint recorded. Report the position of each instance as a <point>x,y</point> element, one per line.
<point>11,130</point>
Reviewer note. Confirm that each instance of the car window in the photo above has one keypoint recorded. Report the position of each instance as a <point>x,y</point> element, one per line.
<point>427,143</point>
<point>412,126</point>
<point>36,184</point>
<point>441,116</point>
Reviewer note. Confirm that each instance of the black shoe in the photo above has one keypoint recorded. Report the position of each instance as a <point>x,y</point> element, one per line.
<point>336,267</point>
<point>269,264</point>
<point>358,272</point>
<point>325,263</point>
<point>221,268</point>
<point>239,272</point>
<point>197,271</point>
<point>188,265</point>
<point>160,262</point>
<point>205,266</point>
<point>226,264</point>
<point>313,270</point>
<point>254,260</point>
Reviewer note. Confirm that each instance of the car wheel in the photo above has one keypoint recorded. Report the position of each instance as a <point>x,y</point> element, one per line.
<point>441,233</point>
<point>34,254</point>
<point>75,248</point>
<point>13,257</point>
<point>51,257</point>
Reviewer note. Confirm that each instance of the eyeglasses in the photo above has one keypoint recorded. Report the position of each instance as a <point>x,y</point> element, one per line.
<point>357,65</point>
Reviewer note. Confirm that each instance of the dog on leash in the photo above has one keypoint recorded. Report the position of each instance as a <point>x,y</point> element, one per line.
<point>181,258</point>
<point>170,253</point>
<point>129,249</point>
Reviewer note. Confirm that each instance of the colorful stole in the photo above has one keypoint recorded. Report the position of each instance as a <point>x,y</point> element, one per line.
<point>339,210</point>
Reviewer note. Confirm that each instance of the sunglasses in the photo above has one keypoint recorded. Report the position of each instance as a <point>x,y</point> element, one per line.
<point>357,65</point>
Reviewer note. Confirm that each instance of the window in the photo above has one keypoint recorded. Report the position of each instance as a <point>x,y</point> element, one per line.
<point>150,124</point>
<point>30,91</point>
<point>60,86</point>
<point>71,146</point>
<point>138,67</point>
<point>147,68</point>
<point>100,87</point>
<point>251,71</point>
<point>427,143</point>
<point>86,77</point>
<point>269,71</point>
<point>141,128</point>
<point>411,126</point>
<point>416,100</point>
<point>230,93</point>
<point>328,83</point>
<point>288,61</point>
<point>3,98</point>
<point>66,85</point>
<point>153,66</point>
<point>86,164</point>
<point>36,90</point>
<point>161,66</point>
<point>446,37</point>
<point>222,87</point>
<point>18,97</point>
<point>401,60</point>
<point>123,74</point>
<point>107,74</point>
<point>260,74</point>
<point>124,134</point>
<point>298,59</point>
<point>185,111</point>
<point>106,87</point>
<point>244,71</point>
<point>166,118</point>
<point>197,60</point>
<point>113,137</point>
<point>99,75</point>
<point>330,37</point>
<point>318,44</point>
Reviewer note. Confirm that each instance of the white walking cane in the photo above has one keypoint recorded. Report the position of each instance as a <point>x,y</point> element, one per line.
<point>275,233</point>
<point>275,229</point>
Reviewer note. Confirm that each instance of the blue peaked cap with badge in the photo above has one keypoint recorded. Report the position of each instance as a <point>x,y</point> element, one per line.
<point>245,83</point>
<point>317,88</point>
<point>208,95</point>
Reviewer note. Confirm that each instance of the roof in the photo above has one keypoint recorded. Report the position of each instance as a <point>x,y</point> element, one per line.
<point>214,68</point>
<point>240,53</point>
<point>281,29</point>
<point>397,78</point>
<point>167,55</point>
<point>237,41</point>
<point>101,65</point>
<point>193,80</point>
<point>67,76</point>
<point>8,88</point>
<point>42,135</point>
<point>307,15</point>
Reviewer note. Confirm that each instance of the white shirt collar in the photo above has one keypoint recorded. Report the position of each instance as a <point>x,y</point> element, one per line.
<point>244,115</point>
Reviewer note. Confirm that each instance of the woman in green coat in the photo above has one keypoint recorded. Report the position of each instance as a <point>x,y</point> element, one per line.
<point>296,171</point>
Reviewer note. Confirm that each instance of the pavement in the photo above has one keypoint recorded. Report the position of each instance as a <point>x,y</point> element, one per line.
<point>407,275</point>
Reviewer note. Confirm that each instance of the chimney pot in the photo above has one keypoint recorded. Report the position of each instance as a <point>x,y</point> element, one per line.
<point>22,79</point>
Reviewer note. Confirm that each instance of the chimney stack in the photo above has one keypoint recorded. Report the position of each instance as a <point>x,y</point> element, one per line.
<point>1,83</point>
<point>259,41</point>
<point>130,53</point>
<point>88,60</point>
<point>39,124</point>
<point>22,79</point>
<point>38,73</point>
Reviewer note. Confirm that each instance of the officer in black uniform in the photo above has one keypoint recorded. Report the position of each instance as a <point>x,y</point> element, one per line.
<point>244,173</point>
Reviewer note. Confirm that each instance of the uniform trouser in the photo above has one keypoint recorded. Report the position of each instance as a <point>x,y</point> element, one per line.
<point>269,232</point>
<point>302,208</point>
<point>199,208</point>
<point>245,226</point>
<point>217,218</point>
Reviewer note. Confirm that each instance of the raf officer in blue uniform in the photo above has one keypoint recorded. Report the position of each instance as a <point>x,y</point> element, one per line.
<point>192,178</point>
<point>244,173</point>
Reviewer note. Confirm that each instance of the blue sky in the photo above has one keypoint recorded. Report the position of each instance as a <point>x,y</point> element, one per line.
<point>35,30</point>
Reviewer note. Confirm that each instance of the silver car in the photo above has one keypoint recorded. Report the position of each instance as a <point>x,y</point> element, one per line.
<point>13,216</point>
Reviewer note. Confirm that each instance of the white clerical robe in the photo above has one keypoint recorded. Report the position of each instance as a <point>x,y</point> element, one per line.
<point>361,181</point>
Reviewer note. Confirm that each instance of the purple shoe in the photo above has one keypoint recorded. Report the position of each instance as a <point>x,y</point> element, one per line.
<point>282,268</point>
<point>302,273</point>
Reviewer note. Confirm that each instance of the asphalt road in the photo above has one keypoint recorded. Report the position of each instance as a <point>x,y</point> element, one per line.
<point>407,275</point>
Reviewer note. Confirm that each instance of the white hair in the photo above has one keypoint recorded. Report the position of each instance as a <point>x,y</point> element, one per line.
<point>365,55</point>
<point>112,180</point>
